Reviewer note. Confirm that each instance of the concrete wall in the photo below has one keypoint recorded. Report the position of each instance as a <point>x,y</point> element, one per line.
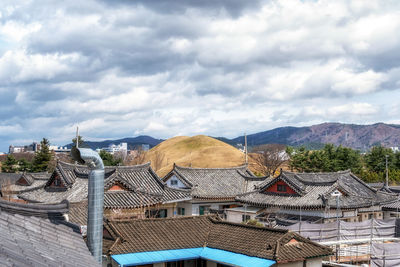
<point>236,216</point>
<point>187,205</point>
<point>211,264</point>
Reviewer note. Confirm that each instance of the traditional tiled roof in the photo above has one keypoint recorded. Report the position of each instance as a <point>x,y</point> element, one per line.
<point>216,183</point>
<point>32,241</point>
<point>54,211</point>
<point>142,187</point>
<point>27,182</point>
<point>313,190</point>
<point>394,206</point>
<point>129,200</point>
<point>78,213</point>
<point>8,178</point>
<point>201,231</point>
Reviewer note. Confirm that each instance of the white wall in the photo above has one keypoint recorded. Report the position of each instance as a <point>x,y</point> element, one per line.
<point>173,178</point>
<point>236,216</point>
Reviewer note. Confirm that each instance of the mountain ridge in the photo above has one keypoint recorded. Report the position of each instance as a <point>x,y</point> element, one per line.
<point>356,136</point>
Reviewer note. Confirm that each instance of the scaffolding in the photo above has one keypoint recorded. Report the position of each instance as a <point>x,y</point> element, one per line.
<point>374,242</point>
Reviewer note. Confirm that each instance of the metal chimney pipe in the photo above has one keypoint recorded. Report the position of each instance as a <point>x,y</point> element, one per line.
<point>95,198</point>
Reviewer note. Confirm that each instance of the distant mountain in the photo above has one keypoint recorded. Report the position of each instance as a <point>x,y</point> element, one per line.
<point>132,142</point>
<point>361,137</point>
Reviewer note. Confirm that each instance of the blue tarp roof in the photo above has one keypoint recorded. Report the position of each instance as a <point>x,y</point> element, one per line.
<point>218,255</point>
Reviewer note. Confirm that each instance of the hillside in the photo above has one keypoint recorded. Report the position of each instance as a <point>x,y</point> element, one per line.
<point>132,142</point>
<point>361,137</point>
<point>196,151</point>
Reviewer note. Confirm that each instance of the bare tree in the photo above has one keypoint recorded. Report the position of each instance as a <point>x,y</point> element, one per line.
<point>268,158</point>
<point>158,160</point>
<point>136,157</point>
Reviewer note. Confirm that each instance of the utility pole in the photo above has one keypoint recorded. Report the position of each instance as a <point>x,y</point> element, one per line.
<point>77,136</point>
<point>387,172</point>
<point>245,147</point>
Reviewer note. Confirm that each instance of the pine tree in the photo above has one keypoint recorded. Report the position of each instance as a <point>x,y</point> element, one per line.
<point>42,157</point>
<point>10,164</point>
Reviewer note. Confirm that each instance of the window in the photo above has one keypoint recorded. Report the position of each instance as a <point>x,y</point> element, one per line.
<point>281,188</point>
<point>245,218</point>
<point>174,182</point>
<point>204,210</point>
<point>181,211</point>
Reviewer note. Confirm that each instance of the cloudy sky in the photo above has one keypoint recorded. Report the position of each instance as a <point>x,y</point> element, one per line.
<point>166,68</point>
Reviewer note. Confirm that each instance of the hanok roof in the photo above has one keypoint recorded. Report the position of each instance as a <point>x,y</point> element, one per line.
<point>208,183</point>
<point>142,187</point>
<point>32,241</point>
<point>313,190</point>
<point>54,211</point>
<point>25,182</point>
<point>7,179</point>
<point>202,231</point>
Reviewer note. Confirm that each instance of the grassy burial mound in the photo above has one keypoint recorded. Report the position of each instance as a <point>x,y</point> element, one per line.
<point>198,151</point>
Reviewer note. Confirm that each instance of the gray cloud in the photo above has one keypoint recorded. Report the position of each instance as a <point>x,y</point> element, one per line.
<point>164,68</point>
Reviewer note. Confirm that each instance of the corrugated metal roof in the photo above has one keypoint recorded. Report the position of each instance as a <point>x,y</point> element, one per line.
<point>217,255</point>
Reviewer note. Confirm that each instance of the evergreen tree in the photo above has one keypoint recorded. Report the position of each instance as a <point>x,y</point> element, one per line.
<point>81,142</point>
<point>328,159</point>
<point>10,164</point>
<point>42,157</point>
<point>108,159</point>
<point>375,160</point>
<point>24,165</point>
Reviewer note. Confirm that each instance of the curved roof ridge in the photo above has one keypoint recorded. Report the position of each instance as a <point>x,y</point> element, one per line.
<point>139,166</point>
<point>34,209</point>
<point>196,217</point>
<point>337,172</point>
<point>224,168</point>
<point>217,221</point>
<point>184,190</point>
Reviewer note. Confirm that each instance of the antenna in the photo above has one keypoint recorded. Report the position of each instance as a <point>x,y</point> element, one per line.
<point>245,147</point>
<point>77,136</point>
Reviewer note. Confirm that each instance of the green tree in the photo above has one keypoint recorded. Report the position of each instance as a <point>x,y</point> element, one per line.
<point>375,160</point>
<point>42,157</point>
<point>24,165</point>
<point>328,159</point>
<point>81,142</point>
<point>10,164</point>
<point>109,159</point>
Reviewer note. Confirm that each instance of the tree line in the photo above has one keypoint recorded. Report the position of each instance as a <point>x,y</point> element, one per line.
<point>370,166</point>
<point>40,162</point>
<point>45,160</point>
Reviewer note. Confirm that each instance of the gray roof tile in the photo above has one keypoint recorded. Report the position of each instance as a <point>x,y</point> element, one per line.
<point>216,182</point>
<point>311,188</point>
<point>31,241</point>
